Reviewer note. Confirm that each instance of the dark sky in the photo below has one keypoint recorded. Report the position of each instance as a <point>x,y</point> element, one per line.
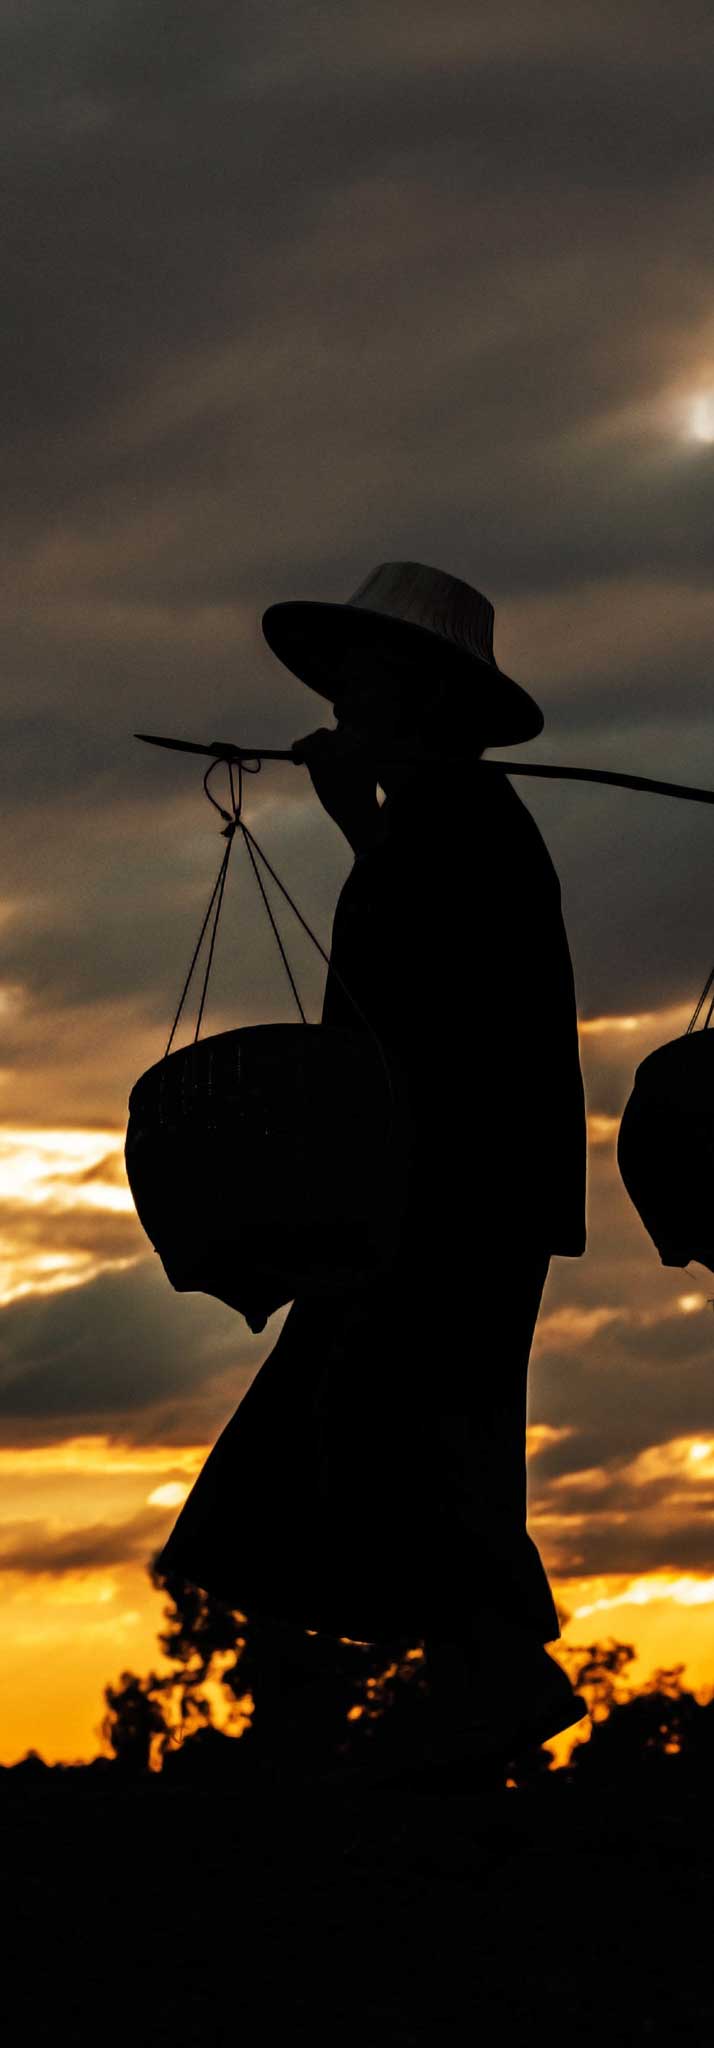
<point>287,294</point>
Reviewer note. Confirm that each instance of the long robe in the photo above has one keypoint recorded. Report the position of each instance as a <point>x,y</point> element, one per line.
<point>372,1481</point>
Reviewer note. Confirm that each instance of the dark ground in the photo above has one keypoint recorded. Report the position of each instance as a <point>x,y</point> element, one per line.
<point>157,1912</point>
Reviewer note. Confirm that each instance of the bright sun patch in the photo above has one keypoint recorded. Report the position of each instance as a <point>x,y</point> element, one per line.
<point>701,417</point>
<point>169,1496</point>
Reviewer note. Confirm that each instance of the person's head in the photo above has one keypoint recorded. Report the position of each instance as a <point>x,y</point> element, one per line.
<point>382,698</point>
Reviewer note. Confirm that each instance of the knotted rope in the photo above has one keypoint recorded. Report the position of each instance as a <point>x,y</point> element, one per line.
<point>234,822</point>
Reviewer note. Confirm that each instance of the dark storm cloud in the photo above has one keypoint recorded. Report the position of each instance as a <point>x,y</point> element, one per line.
<point>625,1390</point>
<point>35,1548</point>
<point>36,1229</point>
<point>122,1346</point>
<point>178,201</point>
<point>287,296</point>
<point>629,1395</point>
<point>635,1544</point>
<point>118,905</point>
<point>287,300</point>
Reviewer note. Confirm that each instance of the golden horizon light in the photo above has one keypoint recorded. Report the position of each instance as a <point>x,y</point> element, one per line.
<point>82,1516</point>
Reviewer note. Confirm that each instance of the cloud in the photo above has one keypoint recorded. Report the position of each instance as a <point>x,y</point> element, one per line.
<point>287,299</point>
<point>199,310</point>
<point>36,1549</point>
<point>124,1353</point>
<point>578,1544</point>
<point>619,1390</point>
<point>208,413</point>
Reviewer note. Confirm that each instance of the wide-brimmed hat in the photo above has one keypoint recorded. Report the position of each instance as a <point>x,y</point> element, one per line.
<point>443,624</point>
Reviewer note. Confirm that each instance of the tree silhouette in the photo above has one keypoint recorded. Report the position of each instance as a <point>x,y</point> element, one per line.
<point>596,1670</point>
<point>302,1694</point>
<point>308,1691</point>
<point>649,1734</point>
<point>312,1700</point>
<point>300,1701</point>
<point>134,1716</point>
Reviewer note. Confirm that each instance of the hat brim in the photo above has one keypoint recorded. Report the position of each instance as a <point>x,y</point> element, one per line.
<point>310,637</point>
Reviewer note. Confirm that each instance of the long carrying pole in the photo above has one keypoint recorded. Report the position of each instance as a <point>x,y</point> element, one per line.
<point>224,750</point>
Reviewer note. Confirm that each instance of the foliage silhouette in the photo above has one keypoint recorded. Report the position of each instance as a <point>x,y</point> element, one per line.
<point>308,1702</point>
<point>661,1729</point>
<point>304,1692</point>
<point>134,1716</point>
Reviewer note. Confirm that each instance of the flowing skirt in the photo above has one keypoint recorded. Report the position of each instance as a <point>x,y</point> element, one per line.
<point>371,1483</point>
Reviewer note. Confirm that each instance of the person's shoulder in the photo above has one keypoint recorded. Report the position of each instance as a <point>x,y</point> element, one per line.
<point>476,793</point>
<point>500,814</point>
<point>498,792</point>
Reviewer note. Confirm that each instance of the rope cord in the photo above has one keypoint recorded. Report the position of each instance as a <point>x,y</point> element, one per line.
<point>224,871</point>
<point>229,834</point>
<point>702,999</point>
<point>234,821</point>
<point>249,850</point>
<point>338,977</point>
<point>184,992</point>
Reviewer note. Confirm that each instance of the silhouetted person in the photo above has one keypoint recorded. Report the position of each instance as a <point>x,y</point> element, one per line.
<point>372,1482</point>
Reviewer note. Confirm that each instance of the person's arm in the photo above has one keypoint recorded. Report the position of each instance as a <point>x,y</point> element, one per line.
<point>366,831</point>
<point>345,779</point>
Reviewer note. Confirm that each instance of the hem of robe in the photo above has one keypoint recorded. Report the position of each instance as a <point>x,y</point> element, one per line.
<point>356,1613</point>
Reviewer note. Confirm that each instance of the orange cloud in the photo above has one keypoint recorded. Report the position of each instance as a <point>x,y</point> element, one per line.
<point>99,1454</point>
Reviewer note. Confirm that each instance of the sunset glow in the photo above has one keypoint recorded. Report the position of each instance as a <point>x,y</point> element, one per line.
<point>54,1185</point>
<point>137,602</point>
<point>54,1702</point>
<point>597,1026</point>
<point>602,1130</point>
<point>288,292</point>
<point>169,1496</point>
<point>64,1169</point>
<point>70,1572</point>
<point>701,417</point>
<point>685,1592</point>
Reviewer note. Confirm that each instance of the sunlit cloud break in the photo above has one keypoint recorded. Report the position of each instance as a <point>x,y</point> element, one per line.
<point>598,1026</point>
<point>685,1592</point>
<point>64,1169</point>
<point>100,1454</point>
<point>55,1185</point>
<point>672,1018</point>
<point>50,1272</point>
<point>700,419</point>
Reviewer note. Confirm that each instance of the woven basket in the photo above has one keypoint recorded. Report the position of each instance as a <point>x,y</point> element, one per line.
<point>270,1162</point>
<point>665,1148</point>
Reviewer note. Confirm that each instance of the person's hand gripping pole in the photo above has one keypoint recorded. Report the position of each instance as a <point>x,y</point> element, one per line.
<point>343,773</point>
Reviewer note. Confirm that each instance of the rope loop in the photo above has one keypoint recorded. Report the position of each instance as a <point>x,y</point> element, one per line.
<point>234,822</point>
<point>702,1000</point>
<point>232,819</point>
